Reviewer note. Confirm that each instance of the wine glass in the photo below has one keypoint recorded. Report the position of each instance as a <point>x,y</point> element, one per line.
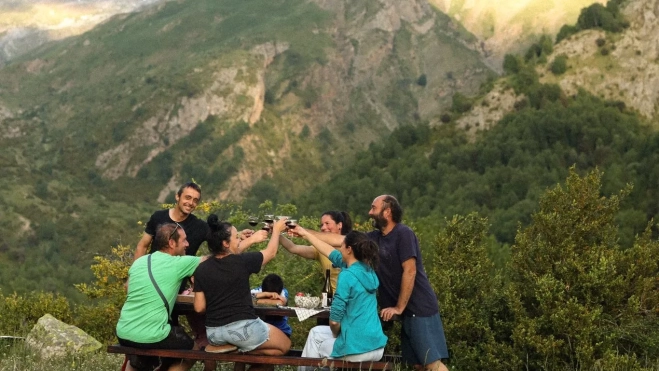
<point>266,227</point>
<point>291,223</point>
<point>269,219</point>
<point>253,221</point>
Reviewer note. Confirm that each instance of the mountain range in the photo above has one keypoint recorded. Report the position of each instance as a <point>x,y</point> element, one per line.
<point>255,100</point>
<point>244,97</point>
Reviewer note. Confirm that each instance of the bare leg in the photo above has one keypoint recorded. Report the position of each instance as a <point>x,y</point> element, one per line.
<point>436,366</point>
<point>197,323</point>
<point>277,344</point>
<point>184,365</point>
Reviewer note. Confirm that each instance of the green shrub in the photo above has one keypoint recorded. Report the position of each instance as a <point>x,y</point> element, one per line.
<point>559,65</point>
<point>471,298</point>
<point>565,32</point>
<point>578,299</point>
<point>461,103</point>
<point>511,64</point>
<point>18,314</point>
<point>422,80</point>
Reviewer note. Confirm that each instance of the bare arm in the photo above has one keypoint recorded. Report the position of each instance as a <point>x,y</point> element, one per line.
<point>199,302</point>
<point>331,239</point>
<point>271,250</point>
<point>322,247</point>
<point>143,246</point>
<point>336,328</point>
<point>255,237</point>
<point>270,298</point>
<point>307,252</point>
<point>406,286</point>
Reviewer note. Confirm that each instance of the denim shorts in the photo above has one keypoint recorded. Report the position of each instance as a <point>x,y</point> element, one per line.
<point>247,334</point>
<point>422,340</point>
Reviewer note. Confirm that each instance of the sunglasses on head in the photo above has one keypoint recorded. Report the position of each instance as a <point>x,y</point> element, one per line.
<point>174,231</point>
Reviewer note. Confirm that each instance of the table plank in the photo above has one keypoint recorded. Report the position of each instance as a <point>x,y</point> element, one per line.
<point>184,305</point>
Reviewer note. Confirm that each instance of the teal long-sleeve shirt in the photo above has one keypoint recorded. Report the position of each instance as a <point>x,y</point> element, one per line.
<point>355,306</point>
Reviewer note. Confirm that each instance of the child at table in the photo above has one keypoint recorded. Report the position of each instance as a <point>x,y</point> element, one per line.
<point>272,292</point>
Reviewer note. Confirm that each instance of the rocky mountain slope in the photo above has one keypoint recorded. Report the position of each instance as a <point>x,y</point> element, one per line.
<point>620,67</point>
<point>510,26</point>
<point>27,24</point>
<point>253,99</point>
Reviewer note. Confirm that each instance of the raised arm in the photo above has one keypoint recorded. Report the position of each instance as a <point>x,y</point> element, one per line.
<point>256,237</point>
<point>322,247</point>
<point>331,239</point>
<point>307,252</point>
<point>271,250</point>
<point>143,246</point>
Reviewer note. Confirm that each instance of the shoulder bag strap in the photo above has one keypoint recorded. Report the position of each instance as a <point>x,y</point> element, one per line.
<point>164,300</point>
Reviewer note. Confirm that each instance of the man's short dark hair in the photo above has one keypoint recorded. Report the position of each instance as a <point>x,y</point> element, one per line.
<point>396,211</point>
<point>192,185</point>
<point>272,283</point>
<point>164,233</point>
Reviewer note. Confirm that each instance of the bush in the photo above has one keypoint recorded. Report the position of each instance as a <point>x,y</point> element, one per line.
<point>607,18</point>
<point>461,103</point>
<point>422,80</point>
<point>471,299</point>
<point>511,64</point>
<point>577,297</point>
<point>565,32</point>
<point>18,314</point>
<point>559,65</point>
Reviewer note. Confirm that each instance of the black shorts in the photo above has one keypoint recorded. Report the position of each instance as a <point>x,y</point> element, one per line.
<point>176,339</point>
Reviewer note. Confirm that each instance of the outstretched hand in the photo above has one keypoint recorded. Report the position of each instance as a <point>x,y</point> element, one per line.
<point>246,233</point>
<point>259,236</point>
<point>279,226</point>
<point>298,231</point>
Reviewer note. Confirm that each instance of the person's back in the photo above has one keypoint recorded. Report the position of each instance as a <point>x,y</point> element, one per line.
<point>153,282</point>
<point>222,291</point>
<point>354,332</point>
<point>143,316</point>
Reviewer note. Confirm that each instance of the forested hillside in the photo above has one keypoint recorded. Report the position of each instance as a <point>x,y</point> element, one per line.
<point>458,166</point>
<point>100,128</point>
<point>439,172</point>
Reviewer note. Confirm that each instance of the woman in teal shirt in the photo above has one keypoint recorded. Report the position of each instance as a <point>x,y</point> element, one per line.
<point>355,333</point>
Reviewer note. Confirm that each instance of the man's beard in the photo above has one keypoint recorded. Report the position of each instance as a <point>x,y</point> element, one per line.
<point>379,221</point>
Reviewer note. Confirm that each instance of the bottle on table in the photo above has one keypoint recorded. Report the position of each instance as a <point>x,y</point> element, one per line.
<point>327,293</point>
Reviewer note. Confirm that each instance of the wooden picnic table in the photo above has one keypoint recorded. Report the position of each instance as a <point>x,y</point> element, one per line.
<point>184,306</point>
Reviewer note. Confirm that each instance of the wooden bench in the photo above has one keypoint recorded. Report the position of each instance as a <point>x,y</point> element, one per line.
<point>292,358</point>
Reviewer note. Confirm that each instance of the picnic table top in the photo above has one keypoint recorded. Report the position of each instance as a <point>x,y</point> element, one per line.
<point>184,305</point>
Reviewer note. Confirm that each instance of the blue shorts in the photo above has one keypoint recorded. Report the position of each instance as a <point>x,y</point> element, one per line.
<point>247,334</point>
<point>422,340</point>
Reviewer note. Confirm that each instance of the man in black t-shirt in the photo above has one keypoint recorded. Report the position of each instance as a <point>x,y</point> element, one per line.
<point>187,199</point>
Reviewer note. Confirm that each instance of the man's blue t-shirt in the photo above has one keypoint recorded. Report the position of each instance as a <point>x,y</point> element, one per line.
<point>396,247</point>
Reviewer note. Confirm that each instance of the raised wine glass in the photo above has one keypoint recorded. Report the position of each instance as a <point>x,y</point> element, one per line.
<point>291,223</point>
<point>253,221</point>
<point>269,219</point>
